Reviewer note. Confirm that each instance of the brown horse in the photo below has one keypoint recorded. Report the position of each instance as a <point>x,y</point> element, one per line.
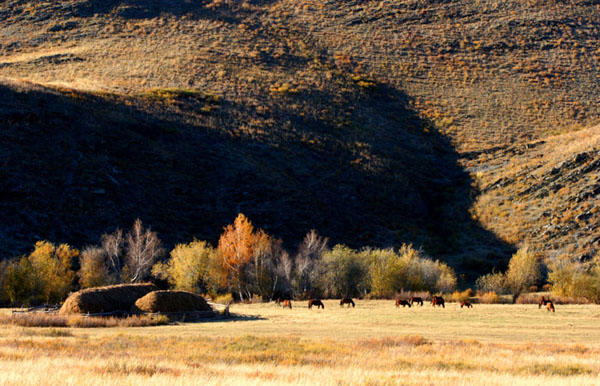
<point>315,302</point>
<point>287,303</point>
<point>438,301</point>
<point>543,302</point>
<point>414,299</point>
<point>550,306</point>
<point>466,304</point>
<point>402,303</point>
<point>347,301</point>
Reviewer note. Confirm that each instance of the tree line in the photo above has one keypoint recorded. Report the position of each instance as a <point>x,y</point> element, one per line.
<point>249,263</point>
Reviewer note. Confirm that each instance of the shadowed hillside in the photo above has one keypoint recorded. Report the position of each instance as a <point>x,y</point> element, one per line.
<point>78,164</point>
<point>376,122</point>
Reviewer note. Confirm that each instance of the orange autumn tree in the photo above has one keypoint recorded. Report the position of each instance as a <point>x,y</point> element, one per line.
<point>236,247</point>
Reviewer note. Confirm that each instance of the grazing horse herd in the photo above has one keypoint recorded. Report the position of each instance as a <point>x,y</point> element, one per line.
<point>435,301</point>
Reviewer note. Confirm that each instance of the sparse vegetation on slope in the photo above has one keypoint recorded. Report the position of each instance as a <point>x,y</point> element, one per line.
<point>544,193</point>
<point>349,117</point>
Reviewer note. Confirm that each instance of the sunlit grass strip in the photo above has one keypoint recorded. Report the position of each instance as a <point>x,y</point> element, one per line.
<point>410,359</point>
<point>38,319</point>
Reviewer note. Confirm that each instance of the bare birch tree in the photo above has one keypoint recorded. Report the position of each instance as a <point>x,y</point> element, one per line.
<point>143,249</point>
<point>113,245</point>
<point>310,253</point>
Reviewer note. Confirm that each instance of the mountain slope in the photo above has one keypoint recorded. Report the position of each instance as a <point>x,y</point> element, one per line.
<point>79,164</point>
<point>488,73</point>
<point>545,193</point>
<point>376,122</point>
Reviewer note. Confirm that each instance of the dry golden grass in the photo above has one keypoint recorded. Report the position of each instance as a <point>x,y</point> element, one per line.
<point>375,343</point>
<point>58,320</point>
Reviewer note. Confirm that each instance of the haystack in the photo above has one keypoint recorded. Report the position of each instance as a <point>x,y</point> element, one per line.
<point>112,298</point>
<point>171,301</point>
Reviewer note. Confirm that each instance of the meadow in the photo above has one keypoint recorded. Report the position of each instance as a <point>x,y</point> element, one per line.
<point>374,343</point>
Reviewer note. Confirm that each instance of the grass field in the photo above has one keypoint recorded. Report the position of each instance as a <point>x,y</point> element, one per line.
<point>375,343</point>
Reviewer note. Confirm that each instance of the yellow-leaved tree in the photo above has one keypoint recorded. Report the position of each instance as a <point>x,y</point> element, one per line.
<point>523,271</point>
<point>235,249</point>
<point>94,270</point>
<point>52,271</point>
<point>192,268</point>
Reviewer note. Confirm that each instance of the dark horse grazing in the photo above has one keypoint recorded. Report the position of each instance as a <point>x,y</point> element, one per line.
<point>347,301</point>
<point>414,299</point>
<point>543,302</point>
<point>402,303</point>
<point>316,302</point>
<point>287,303</point>
<point>550,306</point>
<point>466,304</point>
<point>438,301</point>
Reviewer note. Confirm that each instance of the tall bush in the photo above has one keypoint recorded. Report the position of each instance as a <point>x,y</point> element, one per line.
<point>192,267</point>
<point>523,271</point>
<point>95,269</point>
<point>345,273</point>
<point>52,270</point>
<point>308,261</point>
<point>45,275</point>
<point>574,278</point>
<point>408,269</point>
<point>19,282</point>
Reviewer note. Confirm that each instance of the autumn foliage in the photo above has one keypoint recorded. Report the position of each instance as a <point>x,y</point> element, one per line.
<point>252,262</point>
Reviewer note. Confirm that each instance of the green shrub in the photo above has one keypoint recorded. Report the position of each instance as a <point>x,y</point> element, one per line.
<point>408,269</point>
<point>345,273</point>
<point>19,282</point>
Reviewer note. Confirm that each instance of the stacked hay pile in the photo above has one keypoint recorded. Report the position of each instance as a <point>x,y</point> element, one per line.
<point>171,301</point>
<point>112,298</point>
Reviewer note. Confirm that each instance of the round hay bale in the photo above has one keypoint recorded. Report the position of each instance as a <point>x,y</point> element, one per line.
<point>171,301</point>
<point>112,298</point>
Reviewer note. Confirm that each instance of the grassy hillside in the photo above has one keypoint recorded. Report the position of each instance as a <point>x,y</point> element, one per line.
<point>544,192</point>
<point>357,118</point>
